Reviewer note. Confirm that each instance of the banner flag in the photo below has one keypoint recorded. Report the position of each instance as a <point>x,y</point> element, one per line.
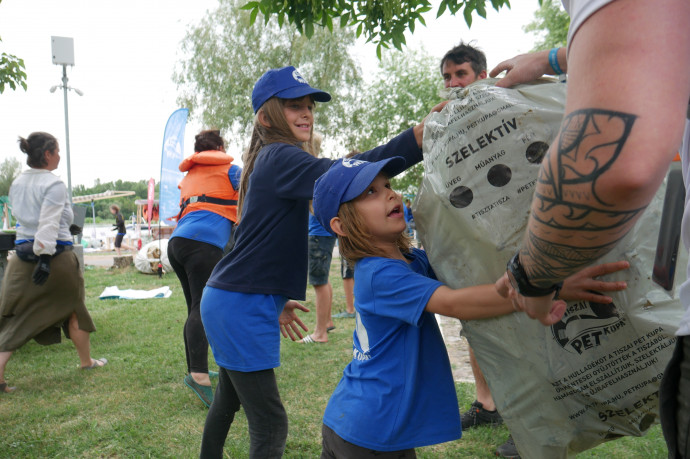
<point>173,153</point>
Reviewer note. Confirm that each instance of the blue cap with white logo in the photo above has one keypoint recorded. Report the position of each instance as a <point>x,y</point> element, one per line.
<point>344,181</point>
<point>286,83</point>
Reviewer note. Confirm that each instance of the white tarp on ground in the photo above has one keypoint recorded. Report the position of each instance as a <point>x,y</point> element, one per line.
<point>113,292</point>
<point>593,376</point>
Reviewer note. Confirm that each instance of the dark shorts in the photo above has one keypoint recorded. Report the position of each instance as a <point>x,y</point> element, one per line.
<point>332,446</point>
<point>118,239</point>
<point>320,254</point>
<point>346,270</point>
<point>675,401</point>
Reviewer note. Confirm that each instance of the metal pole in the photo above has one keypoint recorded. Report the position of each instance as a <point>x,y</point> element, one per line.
<point>69,168</point>
<point>93,212</point>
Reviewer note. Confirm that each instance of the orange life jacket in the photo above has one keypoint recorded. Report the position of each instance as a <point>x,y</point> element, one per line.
<point>206,186</point>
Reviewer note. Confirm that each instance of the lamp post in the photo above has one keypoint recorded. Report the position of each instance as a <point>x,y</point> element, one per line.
<point>65,88</point>
<point>63,54</point>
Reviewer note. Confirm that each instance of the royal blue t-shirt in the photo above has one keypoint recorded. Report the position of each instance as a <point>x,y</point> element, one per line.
<point>270,254</point>
<point>408,214</point>
<point>398,391</point>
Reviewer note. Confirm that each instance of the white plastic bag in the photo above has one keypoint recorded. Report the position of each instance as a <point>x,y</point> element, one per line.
<point>593,376</point>
<point>148,256</point>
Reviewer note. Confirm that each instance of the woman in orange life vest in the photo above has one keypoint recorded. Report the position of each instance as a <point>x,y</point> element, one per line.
<point>208,211</point>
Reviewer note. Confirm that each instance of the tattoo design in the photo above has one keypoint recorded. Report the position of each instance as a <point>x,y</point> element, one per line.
<point>567,197</point>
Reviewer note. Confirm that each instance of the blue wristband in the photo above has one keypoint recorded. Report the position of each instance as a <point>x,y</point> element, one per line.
<point>553,60</point>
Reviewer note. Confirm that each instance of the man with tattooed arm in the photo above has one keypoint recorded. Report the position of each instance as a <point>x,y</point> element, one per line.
<point>628,65</point>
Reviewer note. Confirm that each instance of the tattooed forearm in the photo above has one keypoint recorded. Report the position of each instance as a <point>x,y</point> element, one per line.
<point>547,262</point>
<point>573,221</point>
<point>568,215</point>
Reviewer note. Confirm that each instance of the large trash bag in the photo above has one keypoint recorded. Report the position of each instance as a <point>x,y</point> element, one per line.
<point>593,376</point>
<point>147,258</point>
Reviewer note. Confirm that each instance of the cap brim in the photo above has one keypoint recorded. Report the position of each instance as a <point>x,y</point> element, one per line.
<point>300,91</point>
<point>391,166</point>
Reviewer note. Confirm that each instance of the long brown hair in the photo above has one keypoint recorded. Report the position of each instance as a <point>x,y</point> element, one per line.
<point>357,244</point>
<point>279,131</point>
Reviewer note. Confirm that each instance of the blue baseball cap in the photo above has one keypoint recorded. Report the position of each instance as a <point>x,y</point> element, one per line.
<point>344,181</point>
<point>286,83</point>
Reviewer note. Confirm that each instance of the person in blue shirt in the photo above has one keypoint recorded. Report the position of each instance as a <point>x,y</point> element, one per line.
<point>250,297</point>
<point>398,392</point>
<point>321,245</point>
<point>409,218</point>
<point>208,211</point>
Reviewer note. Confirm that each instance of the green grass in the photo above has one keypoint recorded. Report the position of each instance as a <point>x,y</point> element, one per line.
<point>137,405</point>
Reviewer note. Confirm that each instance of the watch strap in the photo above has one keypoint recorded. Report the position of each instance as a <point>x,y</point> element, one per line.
<point>521,283</point>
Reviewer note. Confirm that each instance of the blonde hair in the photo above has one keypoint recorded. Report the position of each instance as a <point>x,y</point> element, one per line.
<point>277,131</point>
<point>357,244</point>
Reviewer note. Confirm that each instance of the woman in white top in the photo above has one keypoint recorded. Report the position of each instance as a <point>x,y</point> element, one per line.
<point>43,288</point>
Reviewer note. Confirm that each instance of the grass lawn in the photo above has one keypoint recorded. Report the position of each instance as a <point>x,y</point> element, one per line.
<point>137,406</point>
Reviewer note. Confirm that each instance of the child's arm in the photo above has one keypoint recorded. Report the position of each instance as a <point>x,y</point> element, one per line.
<point>478,302</point>
<point>484,301</point>
<point>583,285</point>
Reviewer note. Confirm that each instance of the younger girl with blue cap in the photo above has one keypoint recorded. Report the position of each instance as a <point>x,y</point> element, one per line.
<point>398,392</point>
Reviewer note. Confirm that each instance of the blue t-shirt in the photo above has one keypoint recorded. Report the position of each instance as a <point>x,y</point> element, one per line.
<point>315,228</point>
<point>270,254</point>
<point>398,391</point>
<point>206,226</point>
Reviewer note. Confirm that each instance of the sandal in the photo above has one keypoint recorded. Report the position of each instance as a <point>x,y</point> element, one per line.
<point>310,340</point>
<point>5,389</point>
<point>97,363</point>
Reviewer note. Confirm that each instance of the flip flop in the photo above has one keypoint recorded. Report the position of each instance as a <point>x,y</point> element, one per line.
<point>309,340</point>
<point>212,374</point>
<point>5,389</point>
<point>205,393</point>
<point>344,315</point>
<point>330,328</point>
<point>97,363</point>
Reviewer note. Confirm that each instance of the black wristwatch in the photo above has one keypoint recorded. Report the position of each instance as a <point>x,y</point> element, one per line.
<point>520,282</point>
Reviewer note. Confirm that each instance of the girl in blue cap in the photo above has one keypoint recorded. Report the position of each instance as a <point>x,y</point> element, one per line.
<point>249,298</point>
<point>398,392</point>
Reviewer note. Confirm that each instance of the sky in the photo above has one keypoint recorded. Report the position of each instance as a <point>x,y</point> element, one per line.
<point>125,53</point>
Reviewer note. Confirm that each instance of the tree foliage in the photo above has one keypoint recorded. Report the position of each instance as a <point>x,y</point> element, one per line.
<point>10,169</point>
<point>12,72</point>
<point>381,21</point>
<point>405,90</point>
<point>226,54</point>
<point>551,23</point>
